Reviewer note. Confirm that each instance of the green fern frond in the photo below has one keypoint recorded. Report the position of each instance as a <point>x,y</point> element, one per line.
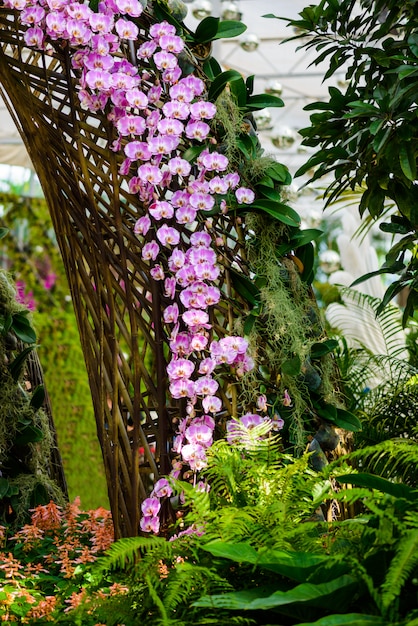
<point>125,552</point>
<point>401,567</point>
<point>395,459</point>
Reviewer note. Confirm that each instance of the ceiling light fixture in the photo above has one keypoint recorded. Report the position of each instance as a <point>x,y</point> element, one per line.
<point>202,9</point>
<point>250,42</point>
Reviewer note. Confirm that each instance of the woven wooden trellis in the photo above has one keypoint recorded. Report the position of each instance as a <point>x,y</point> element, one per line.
<point>118,306</point>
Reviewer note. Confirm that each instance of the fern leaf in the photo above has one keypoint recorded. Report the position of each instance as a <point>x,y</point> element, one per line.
<point>401,566</point>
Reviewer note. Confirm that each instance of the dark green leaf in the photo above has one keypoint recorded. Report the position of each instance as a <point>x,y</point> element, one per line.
<point>268,192</point>
<point>206,29</point>
<point>279,173</point>
<point>385,269</point>
<point>408,161</point>
<point>38,397</point>
<point>239,91</point>
<point>212,68</point>
<point>306,255</point>
<point>22,328</point>
<point>398,490</point>
<point>30,434</point>
<point>261,101</point>
<point>350,619</point>
<point>323,347</point>
<point>303,237</point>
<point>220,82</point>
<point>347,421</point>
<point>3,232</point>
<point>230,28</point>
<point>291,367</point>
<point>252,600</point>
<point>193,152</point>
<point>279,211</point>
<point>4,487</point>
<point>245,287</point>
<point>5,323</point>
<point>249,83</point>
<point>17,365</point>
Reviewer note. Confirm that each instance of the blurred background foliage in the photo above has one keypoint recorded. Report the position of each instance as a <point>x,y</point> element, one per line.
<point>31,255</point>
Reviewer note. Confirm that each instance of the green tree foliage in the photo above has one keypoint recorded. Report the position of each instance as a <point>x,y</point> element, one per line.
<point>32,256</point>
<point>365,132</point>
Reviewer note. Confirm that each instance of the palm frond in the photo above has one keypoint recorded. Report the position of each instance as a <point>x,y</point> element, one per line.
<point>358,318</point>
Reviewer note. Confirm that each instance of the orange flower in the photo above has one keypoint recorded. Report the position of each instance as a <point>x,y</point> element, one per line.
<point>11,567</point>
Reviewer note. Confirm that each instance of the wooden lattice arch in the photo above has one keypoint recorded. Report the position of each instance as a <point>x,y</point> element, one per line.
<point>118,306</point>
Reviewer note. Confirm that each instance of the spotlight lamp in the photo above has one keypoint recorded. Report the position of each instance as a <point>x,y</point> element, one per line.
<point>284,137</point>
<point>250,42</point>
<point>274,88</point>
<point>202,9</point>
<point>329,261</point>
<point>230,10</point>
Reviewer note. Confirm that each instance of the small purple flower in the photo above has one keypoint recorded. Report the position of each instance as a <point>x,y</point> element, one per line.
<point>101,22</point>
<point>170,126</point>
<point>149,524</point>
<point>206,386</point>
<point>137,151</point>
<point>179,166</point>
<point>129,7</point>
<point>149,173</point>
<point>232,179</point>
<point>161,29</point>
<point>170,287</point>
<point>137,99</point>
<point>218,185</point>
<point>165,60</point>
<point>199,342</point>
<point>195,84</point>
<point>171,43</point>
<point>186,275</point>
<point>180,368</point>
<point>181,92</point>
<point>194,454</point>
<point>197,130</point>
<point>244,195</point>
<point>195,318</point>
<point>182,388</point>
<point>202,201</point>
<point>180,345</point>
<point>171,313</point>
<point>157,272</point>
<point>176,260</point>
<point>126,29</point>
<point>201,255</point>
<point>130,125</point>
<point>211,404</point>
<point>176,109</point>
<point>262,403</point>
<point>186,215</point>
<point>287,400</point>
<point>142,225</point>
<point>146,50</point>
<point>150,507</point>
<point>99,79</point>
<point>207,366</point>
<point>162,488</point>
<point>214,162</point>
<point>150,251</point>
<point>207,271</point>
<point>163,144</point>
<point>34,37</point>
<point>199,433</point>
<point>168,236</point>
<point>202,110</point>
<point>200,238</point>
<point>161,210</point>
